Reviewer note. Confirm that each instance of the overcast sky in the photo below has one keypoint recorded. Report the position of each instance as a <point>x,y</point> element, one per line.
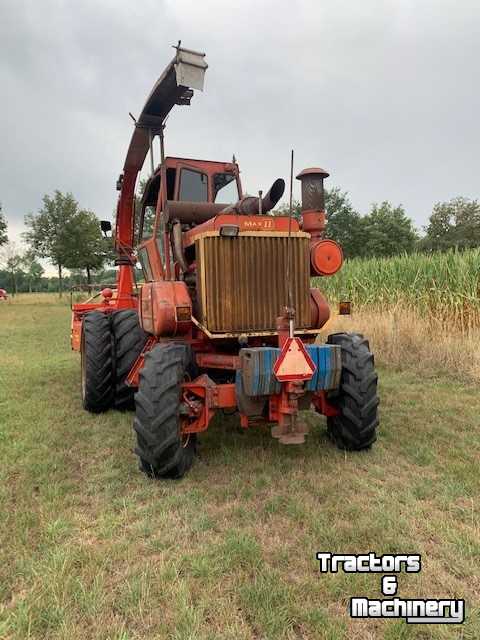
<point>384,94</point>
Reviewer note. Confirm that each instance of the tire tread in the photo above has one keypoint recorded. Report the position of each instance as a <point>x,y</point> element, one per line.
<point>129,340</point>
<point>97,355</point>
<point>355,427</point>
<point>156,424</point>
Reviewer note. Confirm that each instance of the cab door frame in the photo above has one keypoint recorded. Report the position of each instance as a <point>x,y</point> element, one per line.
<point>156,269</point>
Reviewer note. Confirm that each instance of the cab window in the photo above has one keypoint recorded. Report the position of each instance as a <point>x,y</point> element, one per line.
<point>193,186</point>
<point>148,207</point>
<point>146,266</point>
<point>160,240</point>
<point>148,222</point>
<point>225,188</point>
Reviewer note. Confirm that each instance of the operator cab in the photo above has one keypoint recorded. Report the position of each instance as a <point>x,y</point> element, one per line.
<point>195,181</point>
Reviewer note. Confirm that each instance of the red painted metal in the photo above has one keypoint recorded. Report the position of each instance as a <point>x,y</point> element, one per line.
<point>200,399</point>
<point>217,361</point>
<point>133,377</point>
<point>283,409</point>
<point>326,257</point>
<point>245,223</point>
<point>323,406</point>
<point>319,308</point>
<point>244,421</point>
<point>165,308</point>
<point>313,222</point>
<point>344,308</point>
<point>224,396</point>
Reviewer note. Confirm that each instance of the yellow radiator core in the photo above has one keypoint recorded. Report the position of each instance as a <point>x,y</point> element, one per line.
<point>241,281</point>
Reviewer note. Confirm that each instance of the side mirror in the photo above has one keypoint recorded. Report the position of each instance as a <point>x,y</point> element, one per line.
<point>105,226</point>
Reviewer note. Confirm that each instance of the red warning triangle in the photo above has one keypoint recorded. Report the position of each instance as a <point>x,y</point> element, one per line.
<point>294,362</point>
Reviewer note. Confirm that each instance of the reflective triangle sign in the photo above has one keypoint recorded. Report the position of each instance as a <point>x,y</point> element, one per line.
<point>294,362</point>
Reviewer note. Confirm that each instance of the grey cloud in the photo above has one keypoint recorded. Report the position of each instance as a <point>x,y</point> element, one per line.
<point>384,94</point>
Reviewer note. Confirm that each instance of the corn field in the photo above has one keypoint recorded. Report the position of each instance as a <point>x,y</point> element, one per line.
<point>443,287</point>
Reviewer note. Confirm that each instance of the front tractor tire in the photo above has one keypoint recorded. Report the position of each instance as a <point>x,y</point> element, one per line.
<point>356,425</point>
<point>129,340</point>
<point>162,451</point>
<point>97,362</point>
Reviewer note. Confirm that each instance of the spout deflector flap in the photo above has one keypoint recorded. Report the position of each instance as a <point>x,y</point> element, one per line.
<point>190,69</point>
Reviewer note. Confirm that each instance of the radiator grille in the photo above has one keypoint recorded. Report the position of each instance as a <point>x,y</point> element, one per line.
<point>242,281</point>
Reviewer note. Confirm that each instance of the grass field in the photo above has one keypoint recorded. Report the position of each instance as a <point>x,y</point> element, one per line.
<point>90,548</point>
<point>419,309</point>
<point>442,286</point>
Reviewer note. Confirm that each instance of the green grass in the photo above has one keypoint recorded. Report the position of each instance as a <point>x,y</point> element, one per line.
<point>90,548</point>
<point>443,285</point>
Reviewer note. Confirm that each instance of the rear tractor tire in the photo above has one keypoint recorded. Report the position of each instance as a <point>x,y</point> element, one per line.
<point>162,451</point>
<point>97,362</point>
<point>129,340</point>
<point>355,427</point>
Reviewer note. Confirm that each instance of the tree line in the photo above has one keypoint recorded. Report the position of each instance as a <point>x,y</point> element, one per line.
<point>61,232</point>
<point>69,237</point>
<point>387,230</point>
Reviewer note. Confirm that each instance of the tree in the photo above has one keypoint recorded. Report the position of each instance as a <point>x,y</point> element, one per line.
<point>33,269</point>
<point>344,224</point>
<point>50,232</point>
<point>87,248</point>
<point>284,208</point>
<point>387,231</point>
<point>3,228</point>
<point>453,224</point>
<point>11,260</point>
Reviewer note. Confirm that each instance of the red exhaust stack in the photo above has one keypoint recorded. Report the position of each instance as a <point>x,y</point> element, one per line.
<point>326,256</point>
